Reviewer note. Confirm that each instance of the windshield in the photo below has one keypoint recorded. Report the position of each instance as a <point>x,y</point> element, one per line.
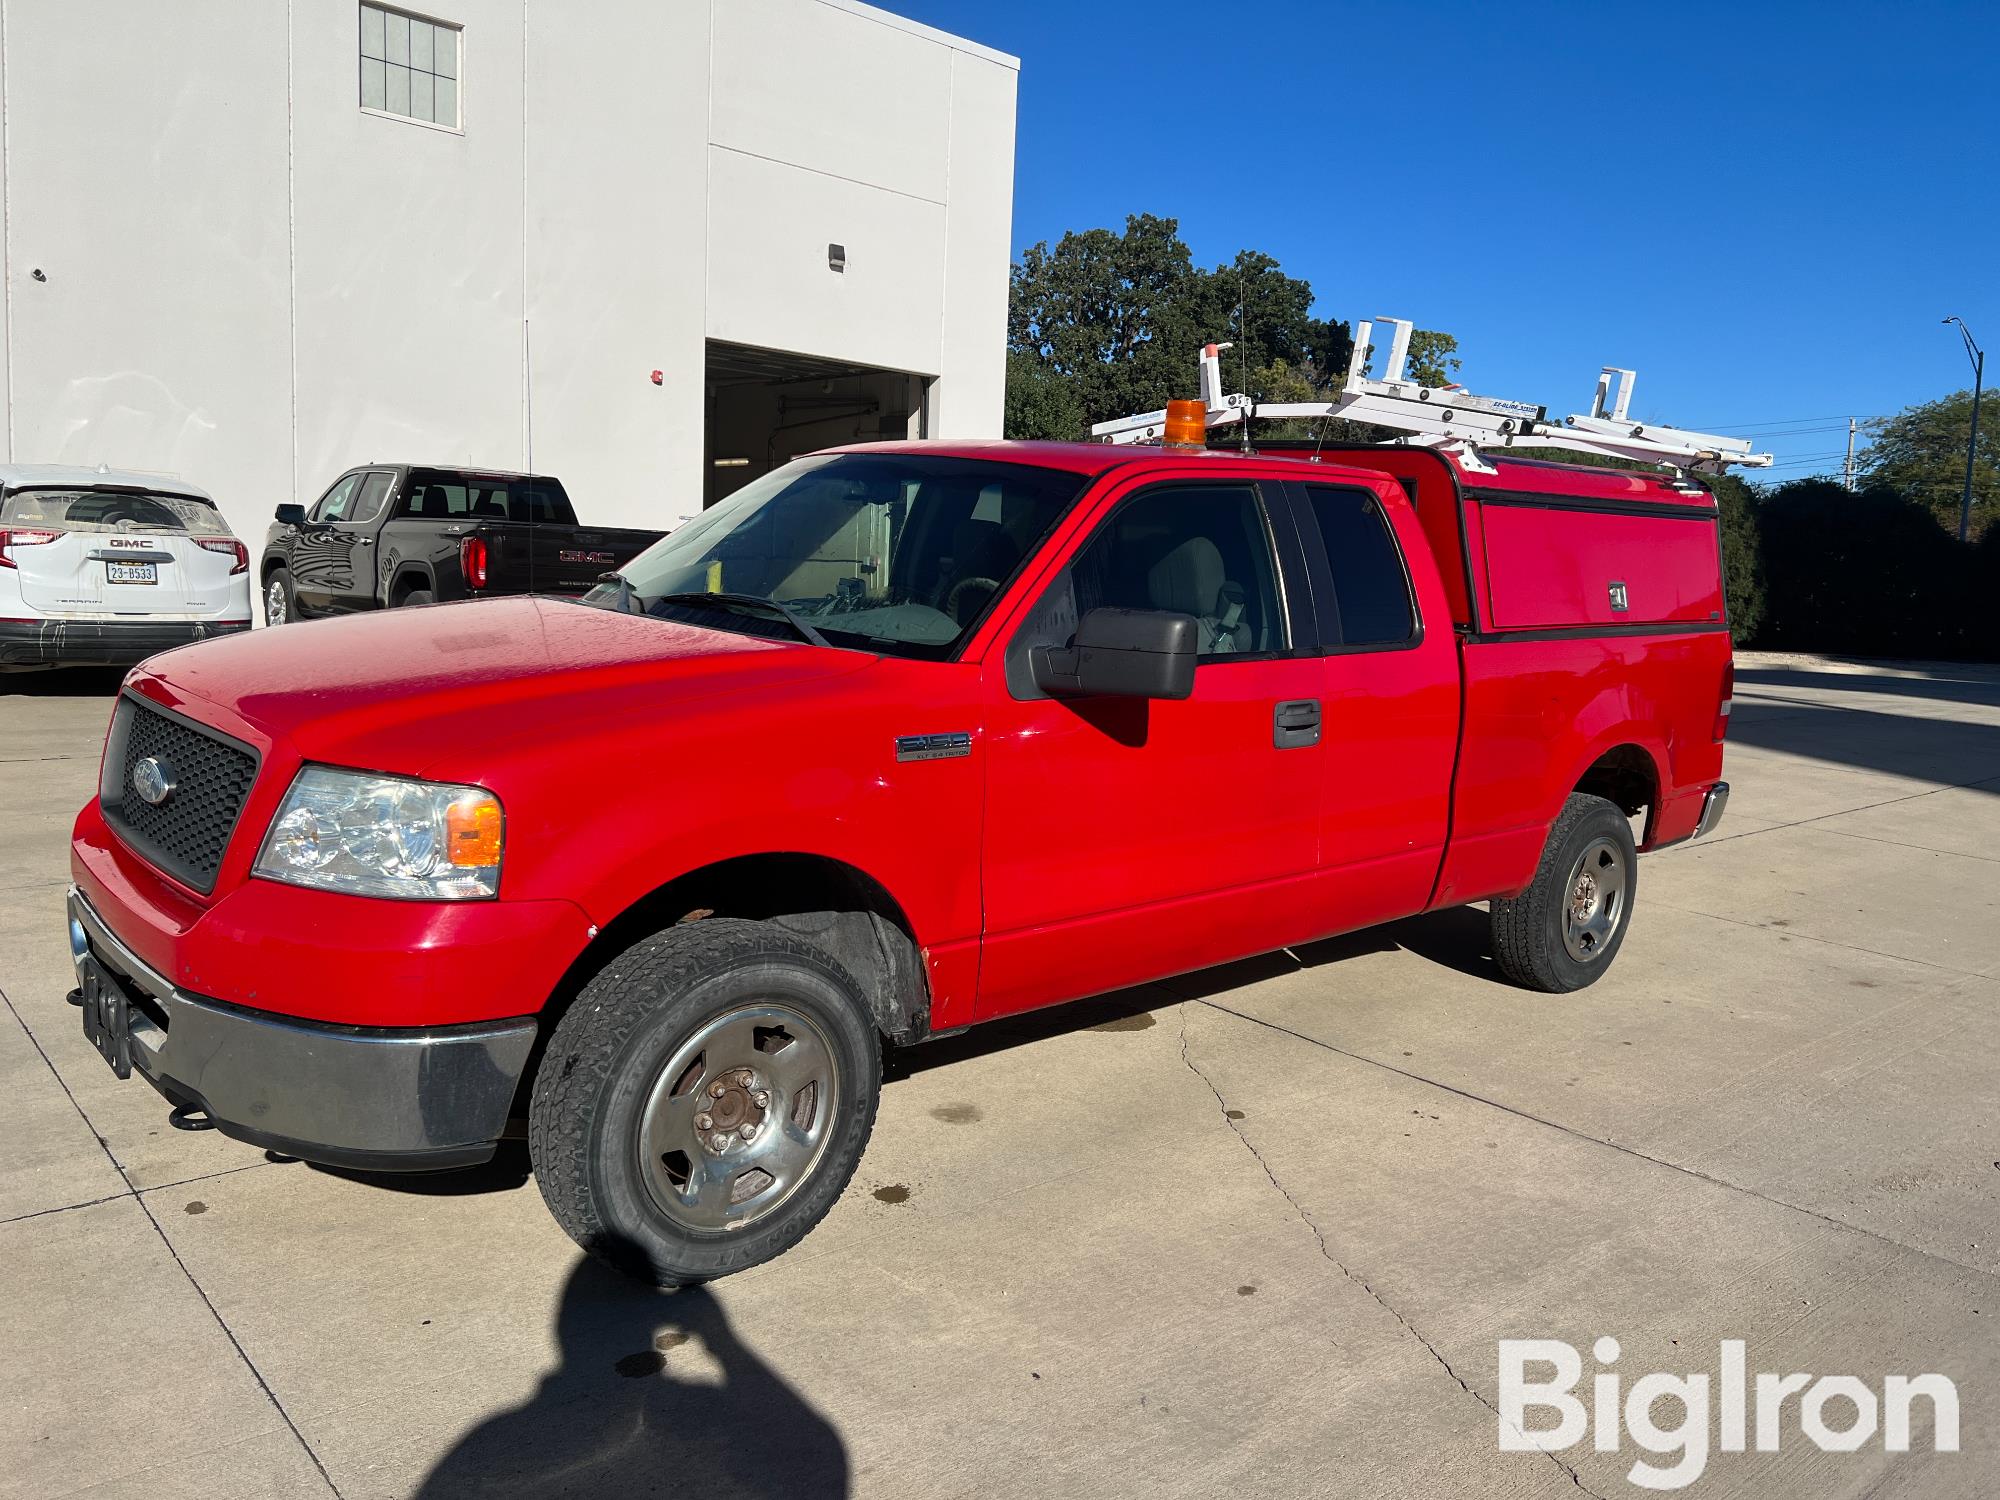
<point>110,510</point>
<point>900,553</point>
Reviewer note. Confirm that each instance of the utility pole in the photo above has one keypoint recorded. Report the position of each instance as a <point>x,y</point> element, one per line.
<point>1847,469</point>
<point>1978,357</point>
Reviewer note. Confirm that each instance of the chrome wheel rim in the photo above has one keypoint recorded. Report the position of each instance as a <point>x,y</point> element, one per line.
<point>1595,896</point>
<point>274,603</point>
<point>739,1118</point>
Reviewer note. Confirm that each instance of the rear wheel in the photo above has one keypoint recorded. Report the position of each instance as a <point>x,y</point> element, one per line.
<point>1563,931</point>
<point>705,1100</point>
<point>418,596</point>
<point>279,606</point>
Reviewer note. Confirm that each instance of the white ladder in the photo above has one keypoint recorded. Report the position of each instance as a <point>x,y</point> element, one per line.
<point>1450,417</point>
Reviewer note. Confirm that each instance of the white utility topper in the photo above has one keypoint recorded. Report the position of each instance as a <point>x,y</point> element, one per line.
<point>1450,417</point>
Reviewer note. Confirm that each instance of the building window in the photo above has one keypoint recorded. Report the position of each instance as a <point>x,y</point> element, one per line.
<point>409,66</point>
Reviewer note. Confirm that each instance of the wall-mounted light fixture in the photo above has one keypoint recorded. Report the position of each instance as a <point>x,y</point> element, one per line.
<point>836,258</point>
<point>731,463</point>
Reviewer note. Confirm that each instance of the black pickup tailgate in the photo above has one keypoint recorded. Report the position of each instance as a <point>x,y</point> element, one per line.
<point>543,557</point>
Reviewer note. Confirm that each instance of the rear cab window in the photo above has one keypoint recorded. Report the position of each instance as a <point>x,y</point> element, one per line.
<point>446,495</point>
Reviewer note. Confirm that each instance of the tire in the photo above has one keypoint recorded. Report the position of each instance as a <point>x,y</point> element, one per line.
<point>1563,931</point>
<point>639,1060</point>
<point>281,606</point>
<point>416,596</point>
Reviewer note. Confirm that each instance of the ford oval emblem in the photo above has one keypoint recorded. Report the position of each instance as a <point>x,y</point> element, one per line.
<point>153,780</point>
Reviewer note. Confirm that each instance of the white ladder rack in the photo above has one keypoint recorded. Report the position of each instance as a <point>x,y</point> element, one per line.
<point>1450,417</point>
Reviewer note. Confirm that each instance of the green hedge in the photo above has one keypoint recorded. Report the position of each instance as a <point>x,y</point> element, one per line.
<point>1867,574</point>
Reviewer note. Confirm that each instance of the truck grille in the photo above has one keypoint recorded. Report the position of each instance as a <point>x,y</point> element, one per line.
<point>187,832</point>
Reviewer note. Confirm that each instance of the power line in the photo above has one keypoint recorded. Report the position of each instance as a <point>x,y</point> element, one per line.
<point>1839,416</point>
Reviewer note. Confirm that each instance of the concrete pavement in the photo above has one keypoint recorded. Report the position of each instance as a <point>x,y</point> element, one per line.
<point>1258,1230</point>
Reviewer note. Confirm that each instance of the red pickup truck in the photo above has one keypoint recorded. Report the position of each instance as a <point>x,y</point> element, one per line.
<point>893,741</point>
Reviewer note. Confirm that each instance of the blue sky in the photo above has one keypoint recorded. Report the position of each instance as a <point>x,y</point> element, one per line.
<point>1763,208</point>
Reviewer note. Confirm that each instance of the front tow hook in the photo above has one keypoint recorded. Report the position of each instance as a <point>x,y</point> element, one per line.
<point>189,1117</point>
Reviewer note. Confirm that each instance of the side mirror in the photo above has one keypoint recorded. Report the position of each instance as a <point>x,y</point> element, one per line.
<point>291,515</point>
<point>1122,653</point>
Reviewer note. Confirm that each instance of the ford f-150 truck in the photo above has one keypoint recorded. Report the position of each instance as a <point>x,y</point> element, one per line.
<point>893,741</point>
<point>385,536</point>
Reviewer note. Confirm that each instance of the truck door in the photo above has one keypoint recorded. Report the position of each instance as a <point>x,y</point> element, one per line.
<point>1127,839</point>
<point>350,580</point>
<point>319,551</point>
<point>1390,685</point>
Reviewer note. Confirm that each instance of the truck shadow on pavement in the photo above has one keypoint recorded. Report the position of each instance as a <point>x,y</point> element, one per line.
<point>634,1408</point>
<point>1957,752</point>
<point>1458,938</point>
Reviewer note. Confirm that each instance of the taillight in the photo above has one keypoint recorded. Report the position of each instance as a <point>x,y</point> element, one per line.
<point>9,540</point>
<point>472,562</point>
<point>1722,708</point>
<point>230,545</point>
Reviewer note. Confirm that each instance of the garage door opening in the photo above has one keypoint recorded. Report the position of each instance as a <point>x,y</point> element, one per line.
<point>765,407</point>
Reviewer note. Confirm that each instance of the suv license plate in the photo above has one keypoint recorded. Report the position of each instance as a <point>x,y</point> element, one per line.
<point>107,1017</point>
<point>117,572</point>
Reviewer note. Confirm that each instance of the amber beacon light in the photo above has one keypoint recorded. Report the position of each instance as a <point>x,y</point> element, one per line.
<point>1187,426</point>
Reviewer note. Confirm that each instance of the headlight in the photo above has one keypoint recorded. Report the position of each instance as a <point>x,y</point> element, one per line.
<point>385,836</point>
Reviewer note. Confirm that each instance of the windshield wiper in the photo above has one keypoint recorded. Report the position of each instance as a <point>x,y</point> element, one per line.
<point>752,602</point>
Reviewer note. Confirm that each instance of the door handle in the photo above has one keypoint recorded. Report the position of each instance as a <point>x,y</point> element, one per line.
<point>364,541</point>
<point>1295,723</point>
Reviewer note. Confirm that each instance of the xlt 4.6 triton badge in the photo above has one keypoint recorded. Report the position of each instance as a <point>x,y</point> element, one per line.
<point>933,746</point>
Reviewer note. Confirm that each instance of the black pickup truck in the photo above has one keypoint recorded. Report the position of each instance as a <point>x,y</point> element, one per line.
<point>386,535</point>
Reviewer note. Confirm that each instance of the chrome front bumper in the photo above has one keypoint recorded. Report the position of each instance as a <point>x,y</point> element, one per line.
<point>1712,807</point>
<point>379,1098</point>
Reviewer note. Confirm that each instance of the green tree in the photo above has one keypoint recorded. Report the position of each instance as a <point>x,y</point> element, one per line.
<point>1040,403</point>
<point>1433,358</point>
<point>1870,573</point>
<point>1920,453</point>
<point>1118,319</point>
<point>1742,555</point>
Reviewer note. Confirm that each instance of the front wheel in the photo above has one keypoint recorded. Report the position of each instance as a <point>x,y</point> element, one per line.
<point>279,606</point>
<point>705,1100</point>
<point>1562,932</point>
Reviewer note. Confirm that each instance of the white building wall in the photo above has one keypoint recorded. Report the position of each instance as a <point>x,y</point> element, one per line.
<point>147,184</point>
<point>616,256</point>
<point>253,284</point>
<point>978,251</point>
<point>407,247</point>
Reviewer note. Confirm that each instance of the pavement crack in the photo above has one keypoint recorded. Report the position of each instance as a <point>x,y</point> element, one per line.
<point>1697,845</point>
<point>138,1197</point>
<point>1326,1252</point>
<point>1609,1145</point>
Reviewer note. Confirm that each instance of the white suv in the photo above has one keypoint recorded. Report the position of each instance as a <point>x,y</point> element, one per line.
<point>101,567</point>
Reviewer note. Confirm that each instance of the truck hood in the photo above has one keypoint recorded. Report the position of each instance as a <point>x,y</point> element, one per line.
<point>395,690</point>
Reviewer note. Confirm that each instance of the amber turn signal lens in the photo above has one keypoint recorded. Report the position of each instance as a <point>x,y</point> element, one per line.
<point>472,832</point>
<point>1187,425</point>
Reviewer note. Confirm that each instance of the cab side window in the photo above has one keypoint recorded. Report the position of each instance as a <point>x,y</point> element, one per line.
<point>1200,550</point>
<point>333,505</point>
<point>368,504</point>
<point>1371,585</point>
